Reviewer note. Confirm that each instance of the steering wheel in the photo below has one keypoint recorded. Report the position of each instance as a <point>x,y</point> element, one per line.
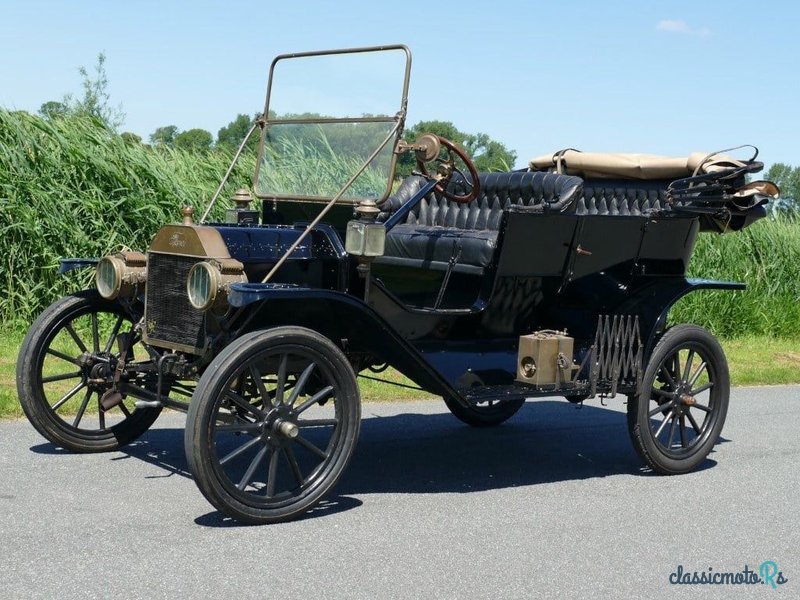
<point>446,168</point>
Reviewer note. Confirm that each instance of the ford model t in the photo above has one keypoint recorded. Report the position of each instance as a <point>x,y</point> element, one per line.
<point>486,289</point>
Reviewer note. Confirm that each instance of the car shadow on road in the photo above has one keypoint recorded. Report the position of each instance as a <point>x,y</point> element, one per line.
<point>545,442</point>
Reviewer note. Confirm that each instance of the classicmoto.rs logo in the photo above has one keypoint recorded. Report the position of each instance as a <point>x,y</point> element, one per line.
<point>767,574</point>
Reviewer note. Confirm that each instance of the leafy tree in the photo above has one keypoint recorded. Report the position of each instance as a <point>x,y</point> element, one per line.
<point>95,100</point>
<point>787,179</point>
<point>96,97</point>
<point>164,136</point>
<point>53,109</point>
<point>194,140</point>
<point>488,154</point>
<point>130,137</point>
<point>233,133</point>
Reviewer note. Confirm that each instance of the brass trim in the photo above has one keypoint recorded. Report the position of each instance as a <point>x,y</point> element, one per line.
<point>190,241</point>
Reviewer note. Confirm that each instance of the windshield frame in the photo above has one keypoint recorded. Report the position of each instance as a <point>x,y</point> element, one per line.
<point>396,132</point>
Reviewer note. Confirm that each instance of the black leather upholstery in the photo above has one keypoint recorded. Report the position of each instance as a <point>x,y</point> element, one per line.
<point>429,247</point>
<point>621,197</point>
<point>439,230</point>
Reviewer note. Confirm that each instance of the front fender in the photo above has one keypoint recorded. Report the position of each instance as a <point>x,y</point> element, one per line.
<point>65,265</point>
<point>344,319</point>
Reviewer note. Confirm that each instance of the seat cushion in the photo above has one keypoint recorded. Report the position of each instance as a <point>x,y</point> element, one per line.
<point>433,247</point>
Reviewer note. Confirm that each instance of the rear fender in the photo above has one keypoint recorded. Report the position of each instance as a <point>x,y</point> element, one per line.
<point>653,302</point>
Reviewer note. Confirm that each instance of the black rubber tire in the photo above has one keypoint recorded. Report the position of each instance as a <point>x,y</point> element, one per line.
<point>204,464</point>
<point>655,454</point>
<point>485,416</point>
<point>31,392</point>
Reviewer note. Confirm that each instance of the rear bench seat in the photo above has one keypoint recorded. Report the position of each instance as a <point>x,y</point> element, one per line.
<point>621,196</point>
<point>439,231</point>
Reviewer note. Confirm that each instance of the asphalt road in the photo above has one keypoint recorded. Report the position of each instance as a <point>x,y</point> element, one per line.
<point>552,504</point>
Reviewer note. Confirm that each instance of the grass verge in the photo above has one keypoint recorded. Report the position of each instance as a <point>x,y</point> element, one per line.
<point>753,361</point>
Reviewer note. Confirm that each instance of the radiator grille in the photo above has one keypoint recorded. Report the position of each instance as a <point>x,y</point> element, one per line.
<point>170,319</point>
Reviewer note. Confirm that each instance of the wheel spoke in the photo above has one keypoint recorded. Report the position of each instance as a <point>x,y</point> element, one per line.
<point>316,422</point>
<point>60,377</point>
<point>667,376</point>
<point>702,388</point>
<point>240,450</point>
<point>301,384</point>
<point>663,393</point>
<point>241,427</point>
<point>695,426</point>
<point>244,404</point>
<point>663,423</point>
<point>73,334</point>
<point>683,431</point>
<point>323,394</point>
<point>659,408</point>
<point>63,356</point>
<point>114,332</point>
<point>280,385</point>
<point>262,389</point>
<point>248,475</point>
<point>701,407</point>
<point>671,431</point>
<point>124,409</point>
<point>687,371</point>
<point>82,408</point>
<point>697,373</point>
<point>298,475</point>
<point>101,413</point>
<point>272,473</point>
<point>309,446</point>
<point>67,396</point>
<point>95,334</point>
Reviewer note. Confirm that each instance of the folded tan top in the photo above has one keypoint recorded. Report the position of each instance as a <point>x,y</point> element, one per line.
<point>632,166</point>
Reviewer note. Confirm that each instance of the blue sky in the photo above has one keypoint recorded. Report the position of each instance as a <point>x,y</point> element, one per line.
<point>667,77</point>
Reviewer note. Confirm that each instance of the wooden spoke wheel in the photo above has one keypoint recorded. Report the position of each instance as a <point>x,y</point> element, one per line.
<point>273,424</point>
<point>67,364</point>
<point>677,418</point>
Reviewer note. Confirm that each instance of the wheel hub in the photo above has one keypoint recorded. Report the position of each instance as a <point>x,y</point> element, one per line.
<point>280,426</point>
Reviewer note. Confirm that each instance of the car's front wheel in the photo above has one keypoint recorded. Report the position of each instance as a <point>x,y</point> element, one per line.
<point>65,366</point>
<point>273,424</point>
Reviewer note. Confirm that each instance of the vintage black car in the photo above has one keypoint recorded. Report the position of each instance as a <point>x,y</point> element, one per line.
<point>486,289</point>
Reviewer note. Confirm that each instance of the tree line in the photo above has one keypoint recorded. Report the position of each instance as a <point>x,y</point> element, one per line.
<point>488,154</point>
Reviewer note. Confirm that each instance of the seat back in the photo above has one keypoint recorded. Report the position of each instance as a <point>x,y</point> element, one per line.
<point>535,190</point>
<point>621,197</point>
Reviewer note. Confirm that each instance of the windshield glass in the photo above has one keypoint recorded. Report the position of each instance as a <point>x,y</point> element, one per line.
<point>327,114</point>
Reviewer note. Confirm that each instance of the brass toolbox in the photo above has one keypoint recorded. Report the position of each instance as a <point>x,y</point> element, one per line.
<point>545,358</point>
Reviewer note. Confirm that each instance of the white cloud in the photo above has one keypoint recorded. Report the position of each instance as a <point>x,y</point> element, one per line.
<point>682,28</point>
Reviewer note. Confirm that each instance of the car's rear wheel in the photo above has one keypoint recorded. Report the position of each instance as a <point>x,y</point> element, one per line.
<point>66,365</point>
<point>677,418</point>
<point>485,414</point>
<point>273,424</point>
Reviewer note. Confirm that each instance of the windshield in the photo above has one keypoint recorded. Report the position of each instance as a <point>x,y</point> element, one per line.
<point>328,113</point>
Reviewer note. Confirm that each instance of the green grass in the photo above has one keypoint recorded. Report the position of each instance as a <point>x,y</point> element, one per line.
<point>753,361</point>
<point>71,188</point>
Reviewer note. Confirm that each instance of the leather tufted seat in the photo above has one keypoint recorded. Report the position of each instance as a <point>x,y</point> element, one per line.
<point>621,197</point>
<point>439,231</point>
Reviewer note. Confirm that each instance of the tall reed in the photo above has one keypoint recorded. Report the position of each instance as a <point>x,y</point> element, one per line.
<point>70,187</point>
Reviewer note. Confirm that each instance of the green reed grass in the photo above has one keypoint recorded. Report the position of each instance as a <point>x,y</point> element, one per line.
<point>70,187</point>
